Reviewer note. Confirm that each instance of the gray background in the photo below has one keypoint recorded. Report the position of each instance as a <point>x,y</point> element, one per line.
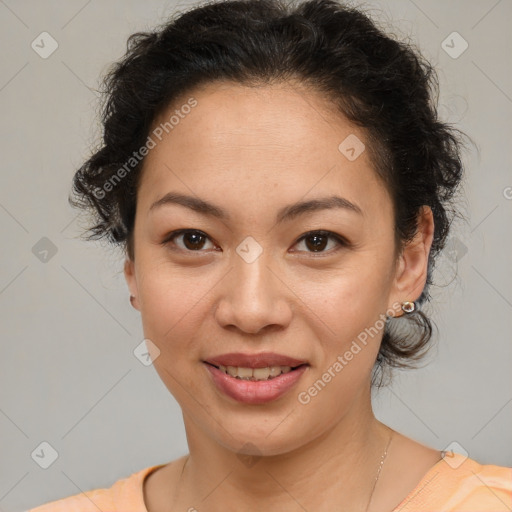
<point>69,376</point>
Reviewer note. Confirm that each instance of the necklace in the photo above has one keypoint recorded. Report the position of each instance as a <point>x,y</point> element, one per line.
<point>379,469</point>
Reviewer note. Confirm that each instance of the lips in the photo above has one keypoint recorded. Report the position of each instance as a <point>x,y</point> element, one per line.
<point>229,373</point>
<point>261,360</point>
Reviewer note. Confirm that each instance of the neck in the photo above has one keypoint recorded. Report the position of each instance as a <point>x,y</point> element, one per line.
<point>342,461</point>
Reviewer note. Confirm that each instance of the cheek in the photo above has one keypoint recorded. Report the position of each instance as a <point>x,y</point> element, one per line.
<point>346,300</point>
<point>174,305</point>
<point>347,334</point>
<point>173,302</point>
<point>345,312</point>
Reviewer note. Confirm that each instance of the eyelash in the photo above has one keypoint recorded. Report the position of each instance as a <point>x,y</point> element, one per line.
<point>339,239</point>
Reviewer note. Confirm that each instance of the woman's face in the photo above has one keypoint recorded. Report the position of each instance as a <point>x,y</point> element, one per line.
<point>259,168</point>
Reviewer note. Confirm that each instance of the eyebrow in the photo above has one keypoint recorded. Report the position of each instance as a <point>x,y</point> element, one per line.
<point>285,214</point>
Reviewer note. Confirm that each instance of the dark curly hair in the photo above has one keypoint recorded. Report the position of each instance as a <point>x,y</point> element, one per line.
<point>383,85</point>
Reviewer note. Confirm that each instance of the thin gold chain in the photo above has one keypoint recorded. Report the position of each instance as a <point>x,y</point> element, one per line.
<point>379,469</point>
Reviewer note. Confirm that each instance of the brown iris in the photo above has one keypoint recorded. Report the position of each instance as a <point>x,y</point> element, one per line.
<point>319,242</point>
<point>193,240</point>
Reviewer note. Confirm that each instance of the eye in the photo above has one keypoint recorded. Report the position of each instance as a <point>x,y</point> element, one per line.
<point>317,241</point>
<point>189,240</point>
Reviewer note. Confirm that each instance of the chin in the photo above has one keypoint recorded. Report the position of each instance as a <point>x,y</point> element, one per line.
<point>282,434</point>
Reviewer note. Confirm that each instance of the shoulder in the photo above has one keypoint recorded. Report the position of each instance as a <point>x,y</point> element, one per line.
<point>125,495</point>
<point>460,484</point>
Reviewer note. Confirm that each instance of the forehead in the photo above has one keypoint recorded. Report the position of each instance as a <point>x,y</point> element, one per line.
<point>266,118</point>
<point>274,141</point>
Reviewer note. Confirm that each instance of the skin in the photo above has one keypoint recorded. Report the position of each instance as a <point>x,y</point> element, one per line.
<point>253,151</point>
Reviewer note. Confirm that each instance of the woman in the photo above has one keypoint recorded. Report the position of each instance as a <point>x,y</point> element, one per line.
<point>281,184</point>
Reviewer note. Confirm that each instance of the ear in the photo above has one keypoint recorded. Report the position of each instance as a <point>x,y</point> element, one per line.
<point>131,281</point>
<point>412,265</point>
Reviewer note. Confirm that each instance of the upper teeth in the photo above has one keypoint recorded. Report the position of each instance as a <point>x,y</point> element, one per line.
<point>255,373</point>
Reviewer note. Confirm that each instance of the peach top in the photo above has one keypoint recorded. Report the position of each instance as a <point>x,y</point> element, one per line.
<point>452,485</point>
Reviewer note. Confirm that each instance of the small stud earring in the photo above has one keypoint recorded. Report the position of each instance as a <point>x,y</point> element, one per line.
<point>408,307</point>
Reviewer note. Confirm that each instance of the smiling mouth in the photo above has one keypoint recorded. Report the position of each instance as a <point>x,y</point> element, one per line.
<point>255,374</point>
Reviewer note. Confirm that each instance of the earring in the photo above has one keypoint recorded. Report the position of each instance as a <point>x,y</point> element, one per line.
<point>408,307</point>
<point>132,298</point>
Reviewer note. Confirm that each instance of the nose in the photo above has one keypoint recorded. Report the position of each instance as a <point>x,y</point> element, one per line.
<point>253,298</point>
